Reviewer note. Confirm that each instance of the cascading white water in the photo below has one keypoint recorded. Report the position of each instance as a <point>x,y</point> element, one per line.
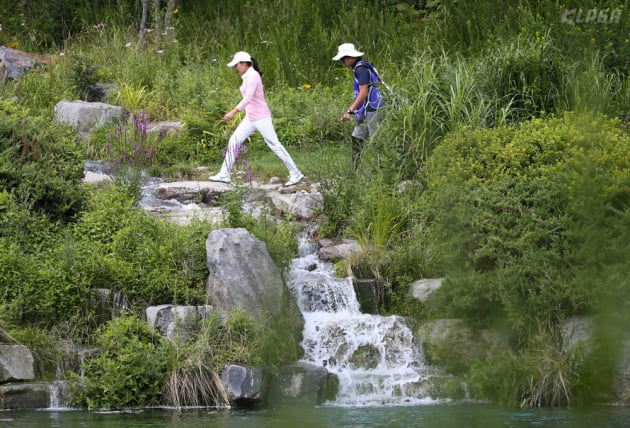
<point>58,390</point>
<point>374,356</point>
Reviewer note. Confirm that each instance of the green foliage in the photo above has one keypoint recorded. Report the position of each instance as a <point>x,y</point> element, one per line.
<point>235,340</point>
<point>508,204</point>
<point>338,197</point>
<point>150,261</point>
<point>39,164</point>
<point>280,238</point>
<point>82,74</point>
<point>44,347</point>
<point>280,343</point>
<point>131,96</point>
<point>131,369</point>
<point>542,375</point>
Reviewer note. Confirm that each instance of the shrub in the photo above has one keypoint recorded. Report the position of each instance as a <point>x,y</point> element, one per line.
<point>131,369</point>
<point>40,165</point>
<point>149,260</point>
<point>508,206</point>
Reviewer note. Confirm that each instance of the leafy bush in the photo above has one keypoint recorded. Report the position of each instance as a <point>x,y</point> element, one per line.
<point>42,166</point>
<point>508,206</point>
<point>150,261</point>
<point>131,369</point>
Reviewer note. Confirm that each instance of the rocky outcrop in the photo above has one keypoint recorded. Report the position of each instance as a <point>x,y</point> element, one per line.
<point>177,322</point>
<point>333,251</point>
<point>245,386</point>
<point>243,275</point>
<point>25,396</point>
<point>302,383</point>
<point>86,117</point>
<point>422,289</point>
<point>299,383</point>
<point>302,202</point>
<point>16,363</point>
<point>14,63</point>
<point>161,130</point>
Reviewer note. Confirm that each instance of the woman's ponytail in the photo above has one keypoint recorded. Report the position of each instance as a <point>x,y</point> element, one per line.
<point>255,65</point>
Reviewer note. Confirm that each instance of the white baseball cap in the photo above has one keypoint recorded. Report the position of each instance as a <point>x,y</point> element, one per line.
<point>347,49</point>
<point>240,57</point>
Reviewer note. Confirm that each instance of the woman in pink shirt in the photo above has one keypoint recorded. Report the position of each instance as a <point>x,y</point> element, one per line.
<point>257,118</point>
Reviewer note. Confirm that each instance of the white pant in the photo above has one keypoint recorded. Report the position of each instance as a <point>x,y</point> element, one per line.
<point>244,130</point>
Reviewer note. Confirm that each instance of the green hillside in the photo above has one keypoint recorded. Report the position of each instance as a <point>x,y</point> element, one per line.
<point>503,165</point>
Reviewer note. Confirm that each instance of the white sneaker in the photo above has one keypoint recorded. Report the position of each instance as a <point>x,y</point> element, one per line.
<point>220,178</point>
<point>294,179</point>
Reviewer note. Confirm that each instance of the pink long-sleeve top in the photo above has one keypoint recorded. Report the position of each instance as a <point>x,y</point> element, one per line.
<point>253,101</point>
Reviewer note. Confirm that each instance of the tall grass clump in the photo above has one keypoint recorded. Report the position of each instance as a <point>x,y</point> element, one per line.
<point>439,94</point>
<point>195,381</point>
<point>589,87</point>
<point>542,375</point>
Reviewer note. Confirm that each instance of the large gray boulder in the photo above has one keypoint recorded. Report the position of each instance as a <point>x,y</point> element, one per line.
<point>14,63</point>
<point>86,117</point>
<point>303,383</point>
<point>16,363</point>
<point>177,322</point>
<point>302,204</point>
<point>245,386</point>
<point>25,396</point>
<point>243,275</point>
<point>333,251</point>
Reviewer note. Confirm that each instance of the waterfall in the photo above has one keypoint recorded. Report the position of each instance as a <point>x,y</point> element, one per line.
<point>374,356</point>
<point>58,390</point>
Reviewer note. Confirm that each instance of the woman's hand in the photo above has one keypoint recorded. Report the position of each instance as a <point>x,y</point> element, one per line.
<point>228,116</point>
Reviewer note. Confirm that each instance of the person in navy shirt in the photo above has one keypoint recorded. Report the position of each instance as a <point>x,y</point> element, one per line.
<point>367,107</point>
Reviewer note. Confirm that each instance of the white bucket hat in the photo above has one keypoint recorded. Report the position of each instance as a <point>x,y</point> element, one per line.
<point>240,57</point>
<point>347,49</point>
